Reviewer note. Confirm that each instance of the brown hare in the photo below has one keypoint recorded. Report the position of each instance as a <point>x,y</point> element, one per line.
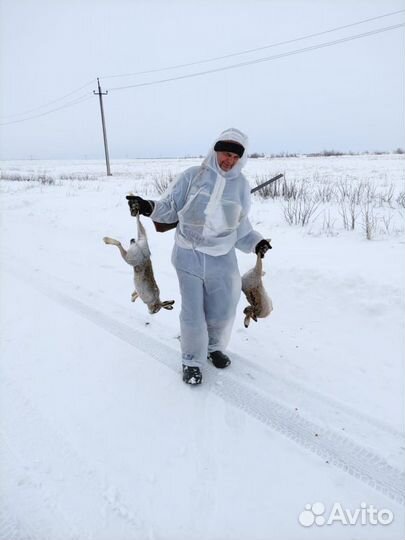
<point>138,256</point>
<point>252,285</point>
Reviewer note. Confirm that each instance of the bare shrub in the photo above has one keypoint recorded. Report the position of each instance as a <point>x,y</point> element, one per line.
<point>386,197</point>
<point>14,177</point>
<point>271,191</point>
<point>300,210</point>
<point>400,200</point>
<point>75,176</point>
<point>358,191</point>
<point>282,188</point>
<point>162,181</point>
<point>370,220</point>
<point>343,188</point>
<point>347,190</point>
<point>354,211</point>
<point>349,210</point>
<point>369,193</point>
<point>325,193</point>
<point>328,224</point>
<point>283,155</point>
<point>344,213</point>
<point>356,201</point>
<point>294,189</point>
<point>46,179</point>
<point>42,178</point>
<point>386,221</point>
<point>326,153</point>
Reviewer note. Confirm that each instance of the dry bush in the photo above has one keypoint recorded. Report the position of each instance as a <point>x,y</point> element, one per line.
<point>400,200</point>
<point>271,191</point>
<point>300,211</point>
<point>351,197</point>
<point>370,220</point>
<point>75,176</point>
<point>325,193</point>
<point>162,181</point>
<point>42,178</point>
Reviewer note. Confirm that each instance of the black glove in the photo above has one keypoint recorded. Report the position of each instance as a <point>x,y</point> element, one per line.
<point>137,204</point>
<point>262,247</point>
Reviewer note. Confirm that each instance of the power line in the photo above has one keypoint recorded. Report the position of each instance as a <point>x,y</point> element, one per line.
<point>49,102</point>
<point>216,70</point>
<point>66,105</point>
<point>265,59</point>
<point>247,51</point>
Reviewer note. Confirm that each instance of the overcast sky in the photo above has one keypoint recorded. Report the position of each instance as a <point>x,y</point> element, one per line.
<point>349,96</point>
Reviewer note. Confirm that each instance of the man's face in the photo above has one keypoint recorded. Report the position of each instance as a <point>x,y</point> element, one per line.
<point>227,160</point>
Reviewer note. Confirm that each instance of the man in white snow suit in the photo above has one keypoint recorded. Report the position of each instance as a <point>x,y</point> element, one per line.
<point>211,204</point>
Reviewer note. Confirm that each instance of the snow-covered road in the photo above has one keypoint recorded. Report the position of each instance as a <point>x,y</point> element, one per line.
<point>101,440</point>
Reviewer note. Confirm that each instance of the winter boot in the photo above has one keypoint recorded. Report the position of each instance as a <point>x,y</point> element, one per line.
<point>192,375</point>
<point>219,359</point>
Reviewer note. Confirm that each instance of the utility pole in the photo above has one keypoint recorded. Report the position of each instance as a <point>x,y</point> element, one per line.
<point>100,94</point>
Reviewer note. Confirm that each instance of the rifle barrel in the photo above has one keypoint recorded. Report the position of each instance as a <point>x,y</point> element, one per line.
<point>266,183</point>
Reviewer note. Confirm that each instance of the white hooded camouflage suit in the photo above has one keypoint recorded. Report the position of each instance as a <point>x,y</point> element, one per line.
<point>212,208</point>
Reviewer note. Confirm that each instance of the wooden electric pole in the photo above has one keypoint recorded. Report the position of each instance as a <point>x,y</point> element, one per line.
<point>100,94</point>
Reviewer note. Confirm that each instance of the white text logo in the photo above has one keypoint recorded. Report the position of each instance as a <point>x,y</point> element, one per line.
<point>367,514</point>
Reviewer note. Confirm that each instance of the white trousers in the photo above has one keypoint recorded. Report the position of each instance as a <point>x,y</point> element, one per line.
<point>210,289</point>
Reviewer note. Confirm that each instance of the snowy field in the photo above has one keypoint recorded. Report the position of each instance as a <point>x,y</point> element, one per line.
<point>101,440</point>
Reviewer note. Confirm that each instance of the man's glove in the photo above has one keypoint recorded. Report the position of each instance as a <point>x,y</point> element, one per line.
<point>262,247</point>
<point>137,204</point>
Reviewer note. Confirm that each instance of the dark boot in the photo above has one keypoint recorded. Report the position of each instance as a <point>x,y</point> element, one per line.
<point>192,375</point>
<point>219,359</point>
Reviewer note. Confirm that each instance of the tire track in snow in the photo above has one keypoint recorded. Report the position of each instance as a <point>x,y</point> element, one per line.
<point>263,377</point>
<point>341,451</point>
<point>267,377</point>
<point>322,409</point>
